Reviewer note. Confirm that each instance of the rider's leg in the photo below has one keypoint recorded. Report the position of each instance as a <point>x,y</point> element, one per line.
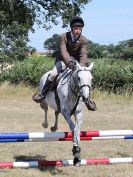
<point>39,97</point>
<point>59,66</point>
<point>46,86</point>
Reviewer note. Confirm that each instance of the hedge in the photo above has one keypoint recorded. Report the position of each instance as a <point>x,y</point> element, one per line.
<point>109,74</point>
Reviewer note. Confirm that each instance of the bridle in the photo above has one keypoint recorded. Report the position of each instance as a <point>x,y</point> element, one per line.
<point>78,91</point>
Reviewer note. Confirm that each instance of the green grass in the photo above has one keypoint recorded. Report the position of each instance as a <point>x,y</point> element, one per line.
<point>98,94</point>
<point>8,90</point>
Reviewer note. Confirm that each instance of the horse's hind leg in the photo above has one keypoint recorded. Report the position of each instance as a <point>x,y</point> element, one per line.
<point>44,106</point>
<point>55,127</point>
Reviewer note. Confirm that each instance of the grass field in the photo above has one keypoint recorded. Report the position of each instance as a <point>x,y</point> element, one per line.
<point>18,113</point>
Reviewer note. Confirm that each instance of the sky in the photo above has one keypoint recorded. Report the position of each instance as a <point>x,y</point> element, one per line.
<point>106,22</point>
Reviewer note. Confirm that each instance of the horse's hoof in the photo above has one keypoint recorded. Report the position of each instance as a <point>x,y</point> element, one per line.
<point>45,125</point>
<point>53,129</point>
<point>77,161</point>
<point>76,153</point>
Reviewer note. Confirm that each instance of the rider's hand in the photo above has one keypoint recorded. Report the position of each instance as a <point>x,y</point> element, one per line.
<point>71,65</point>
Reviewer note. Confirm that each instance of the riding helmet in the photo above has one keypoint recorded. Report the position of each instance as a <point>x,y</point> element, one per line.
<point>76,21</point>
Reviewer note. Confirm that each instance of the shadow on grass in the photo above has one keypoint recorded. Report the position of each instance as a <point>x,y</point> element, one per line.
<point>53,170</point>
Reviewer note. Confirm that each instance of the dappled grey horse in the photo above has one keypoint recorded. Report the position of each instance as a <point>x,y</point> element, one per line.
<point>73,90</point>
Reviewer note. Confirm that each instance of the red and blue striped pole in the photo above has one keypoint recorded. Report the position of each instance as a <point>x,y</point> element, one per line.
<point>64,139</point>
<point>63,135</point>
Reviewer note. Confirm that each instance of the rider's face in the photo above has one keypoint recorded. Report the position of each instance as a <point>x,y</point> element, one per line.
<point>76,30</point>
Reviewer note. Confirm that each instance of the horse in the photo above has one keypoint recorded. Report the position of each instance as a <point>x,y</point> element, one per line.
<point>73,90</point>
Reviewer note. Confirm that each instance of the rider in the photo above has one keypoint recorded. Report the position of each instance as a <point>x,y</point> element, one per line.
<point>73,46</point>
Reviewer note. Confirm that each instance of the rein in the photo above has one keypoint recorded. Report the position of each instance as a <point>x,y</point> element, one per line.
<point>75,106</point>
<point>70,73</point>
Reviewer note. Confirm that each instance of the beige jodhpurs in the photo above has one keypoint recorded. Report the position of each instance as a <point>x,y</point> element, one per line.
<point>59,66</point>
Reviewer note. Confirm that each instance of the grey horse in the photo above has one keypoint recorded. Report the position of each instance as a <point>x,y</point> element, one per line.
<point>73,89</point>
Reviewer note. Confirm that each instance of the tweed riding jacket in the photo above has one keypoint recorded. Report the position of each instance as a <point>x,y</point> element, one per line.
<point>69,49</point>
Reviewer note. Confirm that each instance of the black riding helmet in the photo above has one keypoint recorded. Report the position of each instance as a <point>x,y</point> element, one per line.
<point>76,21</point>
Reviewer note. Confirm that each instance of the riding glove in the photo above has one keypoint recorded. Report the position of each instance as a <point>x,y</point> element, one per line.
<point>71,65</point>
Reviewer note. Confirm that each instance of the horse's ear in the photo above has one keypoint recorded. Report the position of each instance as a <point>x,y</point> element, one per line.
<point>91,66</point>
<point>78,65</point>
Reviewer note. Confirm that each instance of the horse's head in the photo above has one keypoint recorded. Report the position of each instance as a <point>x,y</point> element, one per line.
<point>83,80</point>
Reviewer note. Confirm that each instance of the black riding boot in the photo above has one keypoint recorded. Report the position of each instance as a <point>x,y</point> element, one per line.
<point>39,97</point>
<point>91,105</point>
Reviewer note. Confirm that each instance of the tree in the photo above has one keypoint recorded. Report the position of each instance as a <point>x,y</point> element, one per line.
<point>32,50</point>
<point>128,53</point>
<point>17,17</point>
<point>130,43</point>
<point>52,44</point>
<point>49,12</point>
<point>96,50</point>
<point>43,12</point>
<point>124,49</point>
<point>111,48</point>
<point>15,22</point>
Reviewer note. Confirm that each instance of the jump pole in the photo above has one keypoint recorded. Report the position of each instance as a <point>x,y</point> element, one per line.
<point>61,135</point>
<point>45,163</point>
<point>64,139</point>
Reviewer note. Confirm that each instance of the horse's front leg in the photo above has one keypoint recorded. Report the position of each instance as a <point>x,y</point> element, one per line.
<point>66,114</point>
<point>78,118</point>
<point>76,137</point>
<point>55,127</point>
<point>44,106</point>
